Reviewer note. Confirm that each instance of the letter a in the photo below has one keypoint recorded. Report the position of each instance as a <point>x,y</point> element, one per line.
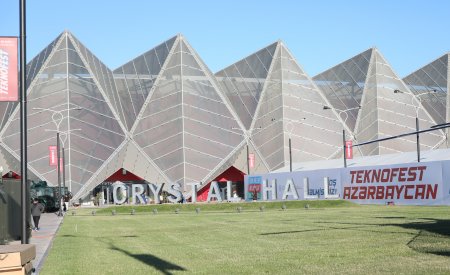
<point>214,192</point>
<point>290,190</point>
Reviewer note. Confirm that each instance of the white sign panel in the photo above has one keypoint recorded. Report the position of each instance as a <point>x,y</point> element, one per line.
<point>425,183</point>
<point>294,186</point>
<point>412,183</point>
<point>446,182</point>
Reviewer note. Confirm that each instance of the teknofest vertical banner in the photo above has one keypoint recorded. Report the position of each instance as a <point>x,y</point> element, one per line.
<point>8,69</point>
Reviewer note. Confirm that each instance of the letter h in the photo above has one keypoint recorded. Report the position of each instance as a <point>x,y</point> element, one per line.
<point>272,189</point>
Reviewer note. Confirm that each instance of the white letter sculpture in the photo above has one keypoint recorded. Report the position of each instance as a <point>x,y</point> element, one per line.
<point>136,191</point>
<point>214,192</point>
<point>119,188</point>
<point>194,191</point>
<point>156,192</point>
<point>272,189</point>
<point>306,189</point>
<point>290,190</point>
<point>175,193</point>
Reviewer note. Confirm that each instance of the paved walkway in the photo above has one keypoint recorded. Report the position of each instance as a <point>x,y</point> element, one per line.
<point>43,238</point>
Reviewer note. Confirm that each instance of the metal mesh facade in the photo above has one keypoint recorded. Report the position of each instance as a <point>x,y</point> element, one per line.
<point>166,118</point>
<point>432,83</point>
<point>387,106</point>
<point>66,78</point>
<point>284,104</point>
<point>180,127</point>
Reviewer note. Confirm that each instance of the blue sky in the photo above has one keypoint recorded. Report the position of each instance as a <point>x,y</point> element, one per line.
<point>320,33</point>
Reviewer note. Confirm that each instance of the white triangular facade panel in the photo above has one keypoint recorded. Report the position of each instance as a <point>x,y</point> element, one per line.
<point>397,111</point>
<point>66,81</point>
<point>243,82</point>
<point>431,84</point>
<point>185,126</point>
<point>267,127</point>
<point>343,86</point>
<point>135,80</point>
<point>129,157</point>
<point>287,97</point>
<point>368,114</point>
<point>315,133</point>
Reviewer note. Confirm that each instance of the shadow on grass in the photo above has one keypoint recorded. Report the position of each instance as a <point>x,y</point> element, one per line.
<point>76,236</point>
<point>328,228</point>
<point>391,218</point>
<point>164,266</point>
<point>291,232</point>
<point>433,236</point>
<point>441,253</point>
<point>436,226</point>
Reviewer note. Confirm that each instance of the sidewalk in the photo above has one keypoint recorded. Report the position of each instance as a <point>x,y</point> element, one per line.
<point>43,238</point>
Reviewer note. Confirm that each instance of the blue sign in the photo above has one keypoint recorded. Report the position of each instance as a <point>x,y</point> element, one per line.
<point>255,180</point>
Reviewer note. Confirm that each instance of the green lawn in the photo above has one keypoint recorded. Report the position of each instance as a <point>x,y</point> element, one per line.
<point>329,237</point>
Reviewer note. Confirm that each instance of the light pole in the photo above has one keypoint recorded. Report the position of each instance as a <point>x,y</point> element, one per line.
<point>339,111</point>
<point>23,120</point>
<point>63,141</point>
<point>418,97</point>
<point>289,128</point>
<point>57,118</point>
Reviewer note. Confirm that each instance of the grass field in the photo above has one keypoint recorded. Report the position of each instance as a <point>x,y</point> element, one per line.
<point>328,237</point>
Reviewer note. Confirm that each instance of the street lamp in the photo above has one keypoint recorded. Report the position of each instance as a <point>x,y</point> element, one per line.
<point>57,118</point>
<point>339,111</point>
<point>418,97</point>
<point>289,128</point>
<point>63,141</point>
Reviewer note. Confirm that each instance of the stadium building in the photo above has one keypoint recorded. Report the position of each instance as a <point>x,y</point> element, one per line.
<point>164,117</point>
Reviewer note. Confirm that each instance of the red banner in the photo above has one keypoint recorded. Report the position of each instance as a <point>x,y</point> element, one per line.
<point>8,69</point>
<point>251,160</point>
<point>52,155</point>
<point>254,188</point>
<point>349,149</point>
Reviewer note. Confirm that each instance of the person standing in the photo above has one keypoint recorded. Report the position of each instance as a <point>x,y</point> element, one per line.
<point>36,210</point>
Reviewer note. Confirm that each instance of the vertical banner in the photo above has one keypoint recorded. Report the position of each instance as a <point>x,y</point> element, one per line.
<point>254,188</point>
<point>9,90</point>
<point>251,160</point>
<point>52,158</point>
<point>349,149</point>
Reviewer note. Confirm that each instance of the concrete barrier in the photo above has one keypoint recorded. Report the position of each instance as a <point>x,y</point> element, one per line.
<point>16,259</point>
